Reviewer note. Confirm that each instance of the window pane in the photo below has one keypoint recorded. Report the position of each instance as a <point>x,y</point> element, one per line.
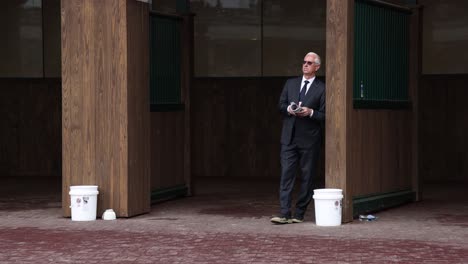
<point>290,31</point>
<point>52,41</point>
<point>227,37</point>
<point>164,6</point>
<point>445,36</point>
<point>21,45</point>
<point>164,60</point>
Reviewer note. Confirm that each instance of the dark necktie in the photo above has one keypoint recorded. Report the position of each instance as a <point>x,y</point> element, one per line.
<point>303,91</point>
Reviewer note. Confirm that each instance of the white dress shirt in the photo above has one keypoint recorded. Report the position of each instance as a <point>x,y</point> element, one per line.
<point>311,80</point>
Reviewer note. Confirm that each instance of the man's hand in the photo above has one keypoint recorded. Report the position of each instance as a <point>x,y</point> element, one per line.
<point>290,111</point>
<point>305,112</point>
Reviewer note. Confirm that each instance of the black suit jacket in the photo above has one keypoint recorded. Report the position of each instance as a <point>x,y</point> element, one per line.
<point>306,130</point>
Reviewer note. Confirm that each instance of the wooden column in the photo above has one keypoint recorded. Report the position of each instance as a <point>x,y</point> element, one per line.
<point>339,78</point>
<point>105,107</point>
<point>187,74</point>
<point>414,75</point>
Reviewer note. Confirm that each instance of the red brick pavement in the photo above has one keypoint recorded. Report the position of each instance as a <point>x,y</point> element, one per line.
<point>33,245</point>
<point>232,227</point>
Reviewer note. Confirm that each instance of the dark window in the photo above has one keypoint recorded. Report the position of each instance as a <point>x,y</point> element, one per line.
<point>165,62</point>
<point>381,57</point>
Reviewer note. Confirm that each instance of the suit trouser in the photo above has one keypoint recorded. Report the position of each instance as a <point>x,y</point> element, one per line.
<point>291,156</point>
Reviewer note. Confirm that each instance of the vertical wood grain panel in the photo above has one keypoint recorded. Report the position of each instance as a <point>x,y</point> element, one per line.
<point>389,170</point>
<point>359,159</point>
<point>171,131</point>
<point>71,14</point>
<point>99,81</point>
<point>443,128</point>
<point>139,115</point>
<point>187,72</point>
<point>339,39</point>
<point>167,149</point>
<point>30,134</point>
<point>381,144</point>
<point>209,128</point>
<point>370,150</point>
<point>122,113</point>
<point>104,118</point>
<point>415,51</point>
<point>236,127</point>
<point>408,159</point>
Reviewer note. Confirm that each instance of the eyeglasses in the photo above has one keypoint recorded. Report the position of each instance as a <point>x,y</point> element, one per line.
<point>308,62</point>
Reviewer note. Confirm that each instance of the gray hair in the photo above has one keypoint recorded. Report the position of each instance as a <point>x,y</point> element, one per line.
<point>317,57</point>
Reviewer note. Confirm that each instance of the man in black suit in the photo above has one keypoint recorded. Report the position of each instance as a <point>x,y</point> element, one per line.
<point>302,104</point>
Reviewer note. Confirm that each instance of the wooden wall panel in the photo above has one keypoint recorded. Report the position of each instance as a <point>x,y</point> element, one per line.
<point>209,118</point>
<point>187,71</point>
<point>138,112</point>
<point>70,14</point>
<point>99,99</point>
<point>105,102</point>
<point>339,39</point>
<point>381,151</point>
<point>368,151</point>
<point>389,157</point>
<point>444,155</point>
<point>414,91</point>
<point>171,131</point>
<point>236,127</point>
<point>30,134</point>
<point>365,143</point>
<point>167,149</point>
<point>91,88</point>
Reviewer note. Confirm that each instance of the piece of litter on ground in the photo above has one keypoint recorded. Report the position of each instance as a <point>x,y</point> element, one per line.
<point>367,218</point>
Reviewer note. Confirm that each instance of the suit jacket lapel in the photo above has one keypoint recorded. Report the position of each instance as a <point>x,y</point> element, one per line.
<point>312,89</point>
<point>296,89</point>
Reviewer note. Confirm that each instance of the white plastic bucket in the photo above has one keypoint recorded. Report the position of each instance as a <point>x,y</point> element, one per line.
<point>328,207</point>
<point>83,202</point>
